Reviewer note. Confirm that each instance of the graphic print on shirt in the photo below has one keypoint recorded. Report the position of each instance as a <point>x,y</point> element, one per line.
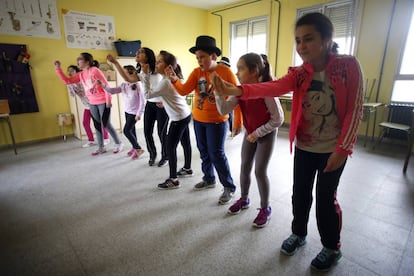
<point>205,93</point>
<point>320,115</point>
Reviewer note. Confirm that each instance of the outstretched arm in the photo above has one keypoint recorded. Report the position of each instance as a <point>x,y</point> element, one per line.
<point>121,71</point>
<point>224,88</point>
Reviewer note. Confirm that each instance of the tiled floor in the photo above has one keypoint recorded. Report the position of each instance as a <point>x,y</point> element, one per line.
<point>64,212</point>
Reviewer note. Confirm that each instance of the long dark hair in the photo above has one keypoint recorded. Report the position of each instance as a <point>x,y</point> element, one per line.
<point>170,59</point>
<point>88,58</point>
<point>150,59</point>
<point>74,67</point>
<point>254,61</point>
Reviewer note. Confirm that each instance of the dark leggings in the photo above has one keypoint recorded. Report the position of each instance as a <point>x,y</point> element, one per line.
<point>155,114</point>
<point>258,153</point>
<point>178,131</point>
<point>328,212</point>
<point>130,131</point>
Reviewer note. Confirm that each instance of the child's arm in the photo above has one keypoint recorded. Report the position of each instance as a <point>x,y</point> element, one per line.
<point>121,71</point>
<point>225,106</point>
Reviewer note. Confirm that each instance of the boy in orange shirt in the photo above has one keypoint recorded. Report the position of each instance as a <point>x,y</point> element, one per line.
<point>210,126</point>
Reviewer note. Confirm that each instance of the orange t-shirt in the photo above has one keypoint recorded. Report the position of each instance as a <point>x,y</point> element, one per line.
<point>204,104</point>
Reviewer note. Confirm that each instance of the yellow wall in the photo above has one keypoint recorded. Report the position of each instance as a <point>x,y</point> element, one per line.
<point>162,25</point>
<point>158,24</point>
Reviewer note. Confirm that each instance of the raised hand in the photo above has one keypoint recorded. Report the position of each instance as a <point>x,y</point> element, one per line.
<point>57,63</point>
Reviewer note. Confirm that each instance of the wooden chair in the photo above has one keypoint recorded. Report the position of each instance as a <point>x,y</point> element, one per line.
<point>399,122</point>
<point>5,116</point>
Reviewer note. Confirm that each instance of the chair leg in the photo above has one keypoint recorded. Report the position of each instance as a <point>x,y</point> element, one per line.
<point>410,141</point>
<point>379,138</point>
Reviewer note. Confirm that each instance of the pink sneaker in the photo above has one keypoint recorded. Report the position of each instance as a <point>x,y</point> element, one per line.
<point>131,152</point>
<point>263,217</point>
<point>118,148</point>
<point>99,151</point>
<point>137,153</point>
<point>239,205</point>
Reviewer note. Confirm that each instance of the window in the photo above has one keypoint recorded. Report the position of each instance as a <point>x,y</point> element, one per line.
<point>248,36</point>
<point>342,14</point>
<point>404,79</point>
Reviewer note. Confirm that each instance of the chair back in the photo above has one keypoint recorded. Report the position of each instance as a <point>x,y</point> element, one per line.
<point>4,107</point>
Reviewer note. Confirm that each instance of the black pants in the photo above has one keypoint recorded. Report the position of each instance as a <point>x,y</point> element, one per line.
<point>178,131</point>
<point>154,114</point>
<point>328,212</point>
<point>130,131</point>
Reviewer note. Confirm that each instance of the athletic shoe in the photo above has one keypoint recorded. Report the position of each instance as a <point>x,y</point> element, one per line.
<point>185,172</point>
<point>89,144</point>
<point>326,259</point>
<point>204,185</point>
<point>239,205</point>
<point>99,151</point>
<point>106,141</point>
<point>226,196</point>
<point>137,153</point>
<point>129,153</point>
<point>118,148</point>
<point>263,217</point>
<point>151,162</point>
<point>291,244</point>
<point>169,184</point>
<point>162,163</point>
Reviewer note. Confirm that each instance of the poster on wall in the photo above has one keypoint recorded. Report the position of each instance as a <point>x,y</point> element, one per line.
<point>88,31</point>
<point>37,18</point>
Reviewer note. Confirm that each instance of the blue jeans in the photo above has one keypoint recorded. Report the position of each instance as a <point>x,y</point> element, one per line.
<point>210,142</point>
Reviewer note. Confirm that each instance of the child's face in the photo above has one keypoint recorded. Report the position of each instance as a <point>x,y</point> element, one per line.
<point>82,63</point>
<point>71,72</point>
<point>244,74</point>
<point>204,59</point>
<point>310,45</point>
<point>160,65</point>
<point>140,56</point>
<point>130,70</point>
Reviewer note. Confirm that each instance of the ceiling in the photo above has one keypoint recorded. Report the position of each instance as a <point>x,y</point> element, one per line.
<point>204,4</point>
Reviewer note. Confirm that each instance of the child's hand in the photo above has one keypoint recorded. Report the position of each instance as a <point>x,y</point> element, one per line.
<point>111,58</point>
<point>137,118</point>
<point>252,137</point>
<point>57,63</point>
<point>169,72</point>
<point>109,105</point>
<point>223,87</point>
<point>160,105</point>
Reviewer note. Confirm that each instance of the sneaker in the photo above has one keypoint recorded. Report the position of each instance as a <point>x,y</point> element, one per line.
<point>326,259</point>
<point>239,205</point>
<point>169,184</point>
<point>204,185</point>
<point>106,141</point>
<point>137,153</point>
<point>263,217</point>
<point>118,148</point>
<point>89,144</point>
<point>185,172</point>
<point>226,196</point>
<point>291,244</point>
<point>151,162</point>
<point>162,163</point>
<point>129,153</point>
<point>99,151</point>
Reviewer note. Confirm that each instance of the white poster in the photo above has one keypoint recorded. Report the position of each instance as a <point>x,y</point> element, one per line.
<point>36,18</point>
<point>88,31</point>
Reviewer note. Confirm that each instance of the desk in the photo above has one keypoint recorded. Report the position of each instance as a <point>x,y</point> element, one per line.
<point>369,108</point>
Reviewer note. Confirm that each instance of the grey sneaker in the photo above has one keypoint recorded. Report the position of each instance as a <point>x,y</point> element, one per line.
<point>226,196</point>
<point>204,185</point>
<point>291,244</point>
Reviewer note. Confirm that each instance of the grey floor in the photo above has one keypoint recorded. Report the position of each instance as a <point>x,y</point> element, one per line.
<point>64,212</point>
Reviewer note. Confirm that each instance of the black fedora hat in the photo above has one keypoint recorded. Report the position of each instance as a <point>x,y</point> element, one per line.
<point>205,42</point>
<point>225,61</point>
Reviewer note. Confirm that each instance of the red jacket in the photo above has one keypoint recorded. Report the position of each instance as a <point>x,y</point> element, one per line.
<point>345,76</point>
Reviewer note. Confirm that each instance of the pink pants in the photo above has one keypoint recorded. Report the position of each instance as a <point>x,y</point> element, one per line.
<point>87,125</point>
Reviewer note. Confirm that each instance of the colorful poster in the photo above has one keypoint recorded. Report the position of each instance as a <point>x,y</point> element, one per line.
<point>37,18</point>
<point>88,31</point>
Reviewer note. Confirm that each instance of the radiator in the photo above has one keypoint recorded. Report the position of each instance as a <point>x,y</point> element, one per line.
<point>400,113</point>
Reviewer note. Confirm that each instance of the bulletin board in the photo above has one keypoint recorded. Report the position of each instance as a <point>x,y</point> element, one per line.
<point>15,80</point>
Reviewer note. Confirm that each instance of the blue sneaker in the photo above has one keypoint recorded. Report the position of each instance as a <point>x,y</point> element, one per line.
<point>326,259</point>
<point>291,244</point>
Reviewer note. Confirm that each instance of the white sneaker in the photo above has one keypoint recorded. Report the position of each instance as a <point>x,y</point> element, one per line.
<point>89,144</point>
<point>106,141</point>
<point>118,148</point>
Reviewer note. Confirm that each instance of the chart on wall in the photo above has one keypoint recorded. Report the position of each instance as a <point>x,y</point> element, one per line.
<point>88,31</point>
<point>37,18</point>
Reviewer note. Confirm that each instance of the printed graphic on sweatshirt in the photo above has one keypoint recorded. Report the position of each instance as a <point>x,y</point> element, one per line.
<point>321,124</point>
<point>206,93</point>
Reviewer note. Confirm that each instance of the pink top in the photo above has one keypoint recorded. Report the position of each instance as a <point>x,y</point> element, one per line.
<point>95,93</point>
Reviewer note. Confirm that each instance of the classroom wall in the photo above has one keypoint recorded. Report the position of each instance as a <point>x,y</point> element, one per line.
<point>162,25</point>
<point>158,24</point>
